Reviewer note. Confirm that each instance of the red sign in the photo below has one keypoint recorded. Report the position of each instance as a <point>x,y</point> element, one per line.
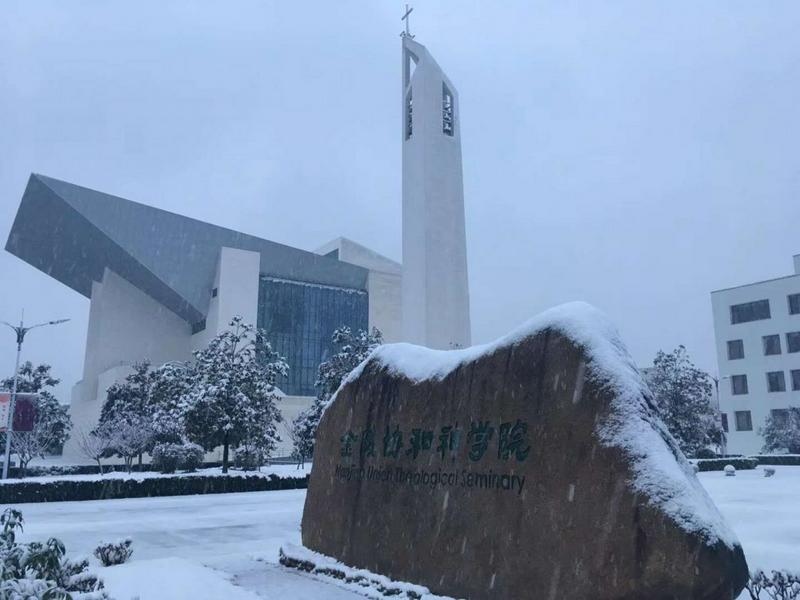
<point>24,411</point>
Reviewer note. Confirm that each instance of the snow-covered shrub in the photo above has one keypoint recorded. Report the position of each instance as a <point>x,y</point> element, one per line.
<point>730,471</point>
<point>114,553</point>
<point>779,585</point>
<point>192,456</point>
<point>247,459</point>
<point>769,471</point>
<point>39,571</point>
<point>167,457</point>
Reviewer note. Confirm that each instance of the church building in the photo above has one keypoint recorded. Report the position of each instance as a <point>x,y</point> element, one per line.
<point>161,285</point>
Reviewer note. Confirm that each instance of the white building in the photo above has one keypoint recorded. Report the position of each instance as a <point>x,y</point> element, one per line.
<point>757,329</point>
<point>435,286</point>
<point>162,285</point>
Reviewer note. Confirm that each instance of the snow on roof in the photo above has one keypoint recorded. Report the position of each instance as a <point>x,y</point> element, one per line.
<point>660,471</point>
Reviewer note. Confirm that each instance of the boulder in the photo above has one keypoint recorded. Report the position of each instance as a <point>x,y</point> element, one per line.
<point>533,467</point>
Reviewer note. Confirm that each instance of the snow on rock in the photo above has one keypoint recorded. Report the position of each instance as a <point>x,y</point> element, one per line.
<point>660,471</point>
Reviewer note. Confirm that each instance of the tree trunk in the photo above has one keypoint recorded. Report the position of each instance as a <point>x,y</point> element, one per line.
<point>100,466</point>
<point>225,455</point>
<point>140,462</point>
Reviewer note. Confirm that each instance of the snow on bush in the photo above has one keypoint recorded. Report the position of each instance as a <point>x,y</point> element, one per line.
<point>780,585</point>
<point>730,471</point>
<point>192,456</point>
<point>39,571</point>
<point>769,471</point>
<point>114,553</point>
<point>168,458</point>
<point>247,458</point>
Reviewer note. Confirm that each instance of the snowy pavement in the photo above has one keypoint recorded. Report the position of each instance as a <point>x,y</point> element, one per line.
<point>226,545</point>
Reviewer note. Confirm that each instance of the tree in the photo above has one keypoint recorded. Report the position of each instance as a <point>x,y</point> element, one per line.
<point>682,395</point>
<point>52,423</point>
<point>148,400</point>
<point>233,397</point>
<point>131,396</point>
<point>130,436</point>
<point>170,383</point>
<point>781,431</point>
<point>351,350</point>
<point>96,445</point>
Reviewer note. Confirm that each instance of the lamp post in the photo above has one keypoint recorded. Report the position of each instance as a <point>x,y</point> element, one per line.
<point>724,444</point>
<point>20,330</point>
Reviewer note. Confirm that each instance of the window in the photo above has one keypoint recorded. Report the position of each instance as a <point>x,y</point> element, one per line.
<point>793,341</point>
<point>794,304</point>
<point>735,349</point>
<point>750,311</point>
<point>214,292</point>
<point>776,382</point>
<point>448,111</point>
<point>796,380</point>
<point>409,115</point>
<point>738,384</point>
<point>300,318</point>
<point>724,422</point>
<point>744,422</point>
<point>772,344</point>
<point>780,416</point>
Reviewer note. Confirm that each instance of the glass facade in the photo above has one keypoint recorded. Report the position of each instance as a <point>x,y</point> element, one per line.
<point>300,318</point>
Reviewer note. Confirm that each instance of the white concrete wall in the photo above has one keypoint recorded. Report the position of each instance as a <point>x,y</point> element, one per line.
<point>125,326</point>
<point>755,364</point>
<point>435,291</point>
<point>236,281</point>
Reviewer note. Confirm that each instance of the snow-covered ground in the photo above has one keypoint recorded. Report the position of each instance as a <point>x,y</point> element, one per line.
<point>226,545</point>
<point>282,470</point>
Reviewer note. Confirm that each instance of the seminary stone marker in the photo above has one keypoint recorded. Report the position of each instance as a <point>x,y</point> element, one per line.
<point>534,467</point>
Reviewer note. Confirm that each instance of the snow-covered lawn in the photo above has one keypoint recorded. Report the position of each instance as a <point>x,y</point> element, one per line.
<point>226,545</point>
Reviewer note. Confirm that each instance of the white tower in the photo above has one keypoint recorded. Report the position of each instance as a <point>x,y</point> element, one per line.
<point>435,292</point>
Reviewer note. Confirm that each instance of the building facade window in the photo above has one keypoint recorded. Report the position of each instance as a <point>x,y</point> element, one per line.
<point>772,344</point>
<point>794,304</point>
<point>776,382</point>
<point>744,421</point>
<point>448,111</point>
<point>796,380</point>
<point>738,384</point>
<point>735,349</point>
<point>299,319</point>
<point>724,422</point>
<point>780,416</point>
<point>793,341</point>
<point>409,124</point>
<point>750,311</point>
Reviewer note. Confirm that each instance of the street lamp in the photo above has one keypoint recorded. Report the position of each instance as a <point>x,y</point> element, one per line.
<point>724,444</point>
<point>20,330</point>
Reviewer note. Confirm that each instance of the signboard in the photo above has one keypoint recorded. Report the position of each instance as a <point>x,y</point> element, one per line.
<point>24,411</point>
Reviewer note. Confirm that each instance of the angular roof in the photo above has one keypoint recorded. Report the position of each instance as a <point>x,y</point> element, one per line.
<point>73,233</point>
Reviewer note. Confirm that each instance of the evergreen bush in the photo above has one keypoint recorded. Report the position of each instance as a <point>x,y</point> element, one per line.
<point>114,553</point>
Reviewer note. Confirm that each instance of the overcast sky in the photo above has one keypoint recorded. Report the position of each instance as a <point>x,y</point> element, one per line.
<point>636,155</point>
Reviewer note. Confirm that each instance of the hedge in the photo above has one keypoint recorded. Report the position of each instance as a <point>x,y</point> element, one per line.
<point>103,489</point>
<point>40,471</point>
<point>718,464</point>
<point>778,459</point>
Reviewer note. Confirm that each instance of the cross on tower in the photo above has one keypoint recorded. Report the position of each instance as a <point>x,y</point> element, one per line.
<point>406,18</point>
